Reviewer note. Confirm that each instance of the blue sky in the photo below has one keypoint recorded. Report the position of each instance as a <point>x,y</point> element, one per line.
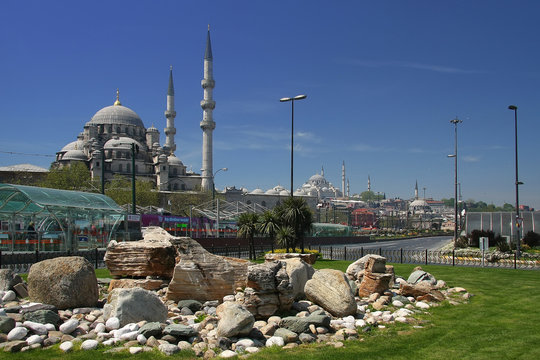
<point>383,81</point>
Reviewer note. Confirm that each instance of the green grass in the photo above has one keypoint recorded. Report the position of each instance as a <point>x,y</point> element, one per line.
<point>501,321</point>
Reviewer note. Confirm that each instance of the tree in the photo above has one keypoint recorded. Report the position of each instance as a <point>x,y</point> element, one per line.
<point>295,212</point>
<point>368,196</point>
<point>76,176</point>
<point>285,237</point>
<point>181,202</point>
<point>119,189</point>
<point>269,224</point>
<point>247,228</point>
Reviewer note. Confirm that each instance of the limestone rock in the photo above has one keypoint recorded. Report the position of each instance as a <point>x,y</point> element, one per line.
<point>200,275</point>
<point>359,266</point>
<point>418,276</point>
<point>147,284</point>
<point>422,289</point>
<point>308,258</point>
<point>234,320</point>
<point>134,305</point>
<point>65,282</point>
<point>148,257</point>
<point>8,279</point>
<point>330,289</point>
<point>374,283</point>
<point>376,264</point>
<point>299,273</point>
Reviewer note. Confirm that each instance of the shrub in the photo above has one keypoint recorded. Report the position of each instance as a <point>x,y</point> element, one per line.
<point>501,244</point>
<point>475,235</point>
<point>461,243</point>
<point>531,239</point>
<point>297,250</point>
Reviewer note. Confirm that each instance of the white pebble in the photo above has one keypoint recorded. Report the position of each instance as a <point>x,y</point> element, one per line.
<point>135,350</point>
<point>275,340</point>
<point>229,298</point>
<point>34,339</point>
<point>141,339</point>
<point>9,296</point>
<point>252,349</point>
<point>245,343</point>
<point>37,328</point>
<point>227,354</point>
<point>17,333</point>
<point>66,346</point>
<point>69,326</point>
<point>89,345</point>
<point>401,319</point>
<point>360,323</point>
<point>132,335</point>
<point>397,303</point>
<point>422,305</point>
<point>112,323</point>
<point>50,327</point>
<point>100,327</point>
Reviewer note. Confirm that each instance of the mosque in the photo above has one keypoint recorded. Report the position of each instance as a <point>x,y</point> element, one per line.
<point>115,132</point>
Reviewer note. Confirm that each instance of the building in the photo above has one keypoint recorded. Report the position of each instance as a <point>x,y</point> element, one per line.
<point>116,133</point>
<point>24,174</point>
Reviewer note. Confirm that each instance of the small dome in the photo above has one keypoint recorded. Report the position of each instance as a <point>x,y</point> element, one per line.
<point>74,145</point>
<point>122,143</point>
<point>317,177</point>
<point>271,192</point>
<point>75,155</point>
<point>418,203</point>
<point>257,192</point>
<point>152,129</point>
<point>174,161</point>
<point>116,115</point>
<point>284,193</point>
<point>299,192</point>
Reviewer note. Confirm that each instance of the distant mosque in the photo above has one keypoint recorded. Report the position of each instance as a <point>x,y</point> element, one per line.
<point>106,143</point>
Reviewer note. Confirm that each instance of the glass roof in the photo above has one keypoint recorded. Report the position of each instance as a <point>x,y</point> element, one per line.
<point>28,200</point>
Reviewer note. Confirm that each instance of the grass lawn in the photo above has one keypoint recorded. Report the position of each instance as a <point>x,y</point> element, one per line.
<point>502,321</point>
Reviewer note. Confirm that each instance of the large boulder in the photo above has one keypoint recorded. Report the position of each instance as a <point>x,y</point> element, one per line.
<point>331,290</point>
<point>299,273</point>
<point>234,320</point>
<point>198,274</point>
<point>153,256</point>
<point>65,282</point>
<point>8,279</point>
<point>423,291</point>
<point>420,275</point>
<point>134,305</point>
<point>355,271</point>
<point>374,283</point>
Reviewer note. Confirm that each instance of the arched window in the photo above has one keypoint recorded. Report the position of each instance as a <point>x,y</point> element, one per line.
<point>118,129</point>
<point>128,167</point>
<point>175,187</point>
<point>183,187</point>
<point>263,203</point>
<point>175,171</point>
<point>120,167</point>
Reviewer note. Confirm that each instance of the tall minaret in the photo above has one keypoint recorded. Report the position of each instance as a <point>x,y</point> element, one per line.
<point>368,183</point>
<point>343,178</point>
<point>170,114</point>
<point>348,189</point>
<point>207,124</point>
<point>322,171</point>
<point>416,190</point>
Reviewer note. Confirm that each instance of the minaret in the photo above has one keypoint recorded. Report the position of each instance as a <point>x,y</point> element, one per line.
<point>170,114</point>
<point>416,191</point>
<point>207,124</point>
<point>343,178</point>
<point>348,189</point>
<point>368,183</point>
<point>322,171</point>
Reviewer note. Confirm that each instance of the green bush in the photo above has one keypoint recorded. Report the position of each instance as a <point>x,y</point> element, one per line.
<point>461,243</point>
<point>475,235</point>
<point>531,239</point>
<point>501,244</point>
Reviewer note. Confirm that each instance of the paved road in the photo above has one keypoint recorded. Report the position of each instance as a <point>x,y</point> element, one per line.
<point>430,243</point>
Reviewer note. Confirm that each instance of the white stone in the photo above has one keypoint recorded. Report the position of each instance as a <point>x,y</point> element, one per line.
<point>34,339</point>
<point>422,305</point>
<point>349,319</point>
<point>275,340</point>
<point>17,333</point>
<point>184,345</point>
<point>100,328</point>
<point>69,326</point>
<point>135,350</point>
<point>397,303</point>
<point>360,323</point>
<point>50,327</point>
<point>411,299</point>
<point>387,318</point>
<point>109,342</point>
<point>132,327</point>
<point>168,349</point>
<point>66,346</point>
<point>227,354</point>
<point>132,335</point>
<point>112,323</point>
<point>9,296</point>
<point>89,344</point>
<point>401,319</point>
<point>36,328</point>
<point>229,298</point>
<point>252,349</point>
<point>402,313</point>
<point>245,343</point>
<point>141,339</point>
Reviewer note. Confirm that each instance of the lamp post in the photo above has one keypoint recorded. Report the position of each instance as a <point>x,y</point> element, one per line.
<point>213,184</point>
<point>518,230</point>
<point>292,100</point>
<point>454,155</point>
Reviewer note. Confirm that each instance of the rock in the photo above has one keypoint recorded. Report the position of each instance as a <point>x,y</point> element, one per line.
<point>133,305</point>
<point>21,289</point>
<point>224,343</point>
<point>168,349</point>
<point>64,282</point>
<point>34,339</point>
<point>8,279</point>
<point>42,317</point>
<point>275,341</point>
<point>418,276</point>
<point>294,324</point>
<point>299,272</point>
<point>252,349</point>
<point>66,346</point>
<point>374,283</point>
<point>331,290</point>
<point>135,350</point>
<point>69,326</point>
<point>359,265</point>
<point>376,264</point>
<point>287,335</point>
<point>423,288</point>
<point>15,346</point>
<point>201,275</point>
<point>6,324</point>
<point>227,354</point>
<point>89,345</point>
<point>192,305</point>
<point>307,258</point>
<point>441,284</point>
<point>179,330</point>
<point>17,333</point>
<point>422,305</point>
<point>151,329</point>
<point>234,320</point>
<point>260,304</point>
<point>36,328</point>
<point>147,284</point>
<point>9,296</point>
<point>307,338</point>
<point>112,323</point>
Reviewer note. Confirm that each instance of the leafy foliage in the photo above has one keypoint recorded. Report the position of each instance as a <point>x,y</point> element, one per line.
<point>181,202</point>
<point>295,213</point>
<point>119,189</point>
<point>475,236</point>
<point>247,228</point>
<point>531,239</point>
<point>73,177</point>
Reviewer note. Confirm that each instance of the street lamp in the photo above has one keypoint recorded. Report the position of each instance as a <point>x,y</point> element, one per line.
<point>454,155</point>
<point>213,183</point>
<point>518,252</point>
<point>297,97</point>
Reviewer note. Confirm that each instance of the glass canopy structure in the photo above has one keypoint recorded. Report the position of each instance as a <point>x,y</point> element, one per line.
<point>35,218</point>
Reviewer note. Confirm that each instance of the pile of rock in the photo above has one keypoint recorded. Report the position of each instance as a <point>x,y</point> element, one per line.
<point>328,305</point>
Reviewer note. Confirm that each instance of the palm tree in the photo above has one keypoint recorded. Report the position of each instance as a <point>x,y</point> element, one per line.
<point>285,237</point>
<point>247,228</point>
<point>269,224</point>
<point>295,212</point>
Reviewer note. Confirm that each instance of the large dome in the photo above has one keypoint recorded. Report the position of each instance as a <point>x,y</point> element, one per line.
<point>117,115</point>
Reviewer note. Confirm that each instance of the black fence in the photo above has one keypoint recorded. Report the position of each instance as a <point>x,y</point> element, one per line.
<point>21,262</point>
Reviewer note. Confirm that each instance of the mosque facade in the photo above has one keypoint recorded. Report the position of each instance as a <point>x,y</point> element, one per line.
<point>111,137</point>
